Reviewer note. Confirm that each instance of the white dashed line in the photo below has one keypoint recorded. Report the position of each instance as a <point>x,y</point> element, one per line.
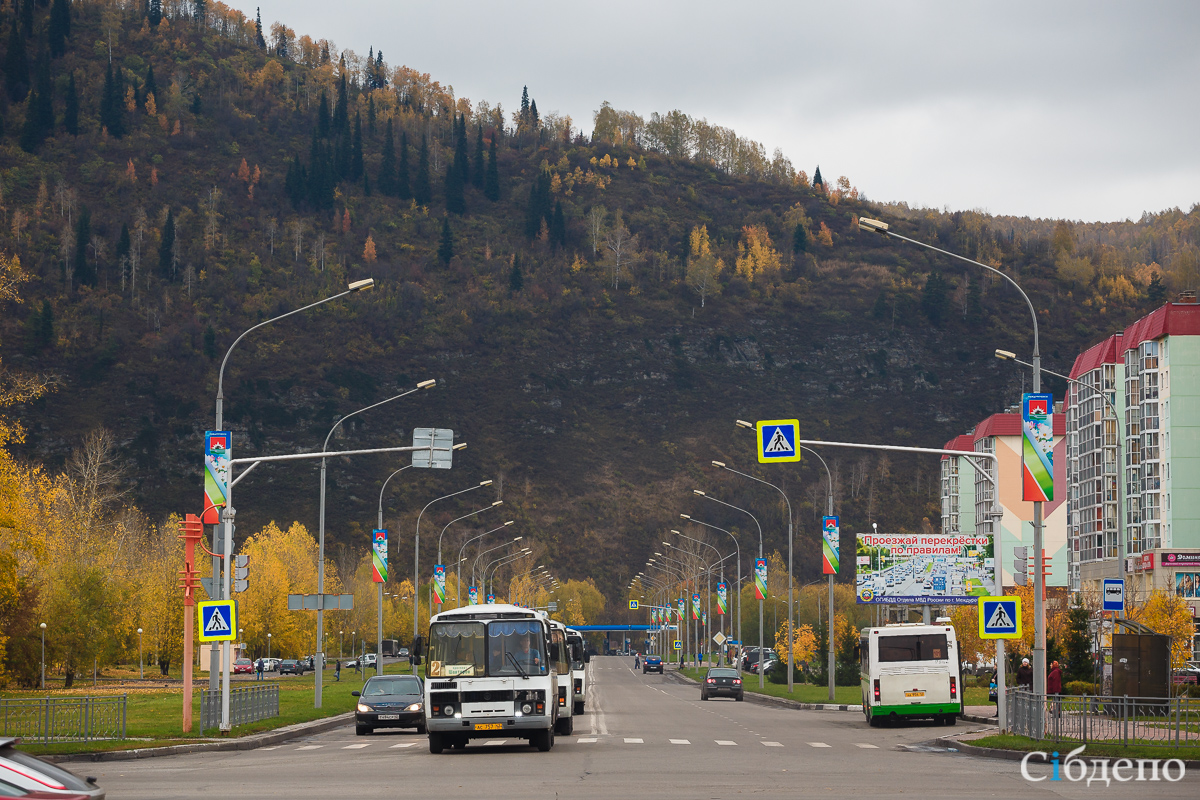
<point>497,742</point>
<point>311,747</point>
<point>587,740</point>
<point>356,746</point>
<point>679,741</point>
<point>817,744</point>
<point>772,744</point>
<point>726,743</point>
<point>403,744</point>
<point>634,741</point>
<point>867,746</point>
<point>274,747</point>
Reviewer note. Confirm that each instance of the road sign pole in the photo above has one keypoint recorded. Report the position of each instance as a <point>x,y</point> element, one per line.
<point>1001,703</point>
<point>227,647</point>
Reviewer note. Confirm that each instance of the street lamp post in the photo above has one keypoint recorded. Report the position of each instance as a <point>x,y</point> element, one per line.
<point>739,570</point>
<point>458,570</point>
<point>760,600</point>
<point>1039,579</point>
<point>43,627</point>
<point>141,663</point>
<point>461,559</point>
<point>495,566</point>
<point>417,553</point>
<point>268,645</point>
<point>709,594</point>
<point>483,553</point>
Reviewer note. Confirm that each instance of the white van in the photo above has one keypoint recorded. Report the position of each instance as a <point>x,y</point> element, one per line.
<point>910,670</point>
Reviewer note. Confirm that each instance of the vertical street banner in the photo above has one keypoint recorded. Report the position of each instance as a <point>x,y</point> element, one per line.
<point>695,606</point>
<point>831,545</point>
<point>218,450</point>
<point>681,601</point>
<point>722,597</point>
<point>491,598</point>
<point>704,618</point>
<point>760,579</point>
<point>379,555</point>
<point>473,595</point>
<point>439,583</point>
<point>1037,447</point>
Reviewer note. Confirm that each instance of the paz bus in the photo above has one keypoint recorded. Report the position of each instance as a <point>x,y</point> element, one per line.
<point>910,671</point>
<point>496,671</point>
<point>579,662</point>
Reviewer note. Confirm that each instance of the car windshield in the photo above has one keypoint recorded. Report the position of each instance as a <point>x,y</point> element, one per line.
<point>377,687</point>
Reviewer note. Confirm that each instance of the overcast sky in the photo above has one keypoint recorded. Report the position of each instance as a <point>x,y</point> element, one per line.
<point>1047,109</point>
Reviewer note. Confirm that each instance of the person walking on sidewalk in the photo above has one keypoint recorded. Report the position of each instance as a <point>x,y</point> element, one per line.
<point>337,670</point>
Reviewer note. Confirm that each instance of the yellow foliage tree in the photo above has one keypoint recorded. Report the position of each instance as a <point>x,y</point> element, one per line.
<point>804,643</point>
<point>369,250</point>
<point>824,236</point>
<point>1167,613</point>
<point>757,258</point>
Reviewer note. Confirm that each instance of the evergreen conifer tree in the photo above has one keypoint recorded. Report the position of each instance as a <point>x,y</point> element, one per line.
<point>477,167</point>
<point>535,122</point>
<point>523,119</point>
<point>371,116</point>
<point>558,226</point>
<point>387,164</point>
<point>341,110</point>
<point>85,273</point>
<point>817,179</point>
<point>199,11</point>
<point>258,34</point>
<point>366,185</point>
<point>516,281</point>
<point>456,172</point>
<point>446,246</point>
<point>799,244</point>
<point>539,209</point>
<point>27,17</point>
<point>1156,293</point>
<point>39,111</point>
<point>59,27</point>
<point>112,104</point>
<point>71,110</point>
<point>155,14</point>
<point>166,247</point>
<point>403,185</point>
<point>462,164</point>
<point>934,298</point>
<point>356,157</point>
<point>974,300</point>
<point>45,325</point>
<point>16,66</point>
<point>323,120</point>
<point>151,86</point>
<point>491,185</point>
<point>124,244</point>
<point>422,189</point>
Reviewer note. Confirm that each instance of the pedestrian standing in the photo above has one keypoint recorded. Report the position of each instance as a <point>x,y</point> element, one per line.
<point>1054,679</point>
<point>1025,675</point>
<point>337,670</point>
<point>258,667</point>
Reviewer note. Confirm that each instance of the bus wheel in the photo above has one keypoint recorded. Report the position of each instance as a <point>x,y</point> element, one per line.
<point>543,740</point>
<point>949,719</point>
<point>578,707</point>
<point>566,726</point>
<point>436,743</point>
<point>872,720</point>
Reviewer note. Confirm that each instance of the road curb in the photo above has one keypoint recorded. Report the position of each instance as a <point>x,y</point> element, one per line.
<point>251,742</point>
<point>1016,755</point>
<point>768,700</point>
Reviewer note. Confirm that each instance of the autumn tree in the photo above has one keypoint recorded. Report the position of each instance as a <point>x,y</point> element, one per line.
<point>622,249</point>
<point>1166,613</point>
<point>757,257</point>
<point>703,268</point>
<point>369,250</point>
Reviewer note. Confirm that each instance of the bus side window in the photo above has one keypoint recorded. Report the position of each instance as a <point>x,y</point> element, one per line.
<point>864,654</point>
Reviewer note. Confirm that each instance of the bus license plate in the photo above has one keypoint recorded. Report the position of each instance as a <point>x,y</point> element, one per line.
<point>388,716</point>
<point>914,694</point>
<point>487,726</point>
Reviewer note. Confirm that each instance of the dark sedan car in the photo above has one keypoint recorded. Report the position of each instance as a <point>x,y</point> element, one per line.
<point>652,664</point>
<point>721,681</point>
<point>290,666</point>
<point>390,701</point>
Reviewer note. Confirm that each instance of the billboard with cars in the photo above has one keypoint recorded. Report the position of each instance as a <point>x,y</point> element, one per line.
<point>921,569</point>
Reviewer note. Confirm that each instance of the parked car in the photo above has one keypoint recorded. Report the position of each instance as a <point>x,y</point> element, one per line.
<point>291,666</point>
<point>722,681</point>
<point>22,774</point>
<point>652,664</point>
<point>368,660</point>
<point>270,664</point>
<point>243,666</point>
<point>391,701</point>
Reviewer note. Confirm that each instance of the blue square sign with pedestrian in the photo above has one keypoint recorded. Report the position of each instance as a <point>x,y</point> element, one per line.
<point>218,620</point>
<point>778,440</point>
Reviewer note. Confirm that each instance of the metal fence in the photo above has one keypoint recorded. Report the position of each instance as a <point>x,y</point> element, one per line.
<point>248,704</point>
<point>64,719</point>
<point>1141,721</point>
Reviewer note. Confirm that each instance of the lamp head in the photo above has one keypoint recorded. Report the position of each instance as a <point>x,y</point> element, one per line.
<point>359,286</point>
<point>677,533</point>
<point>429,384</point>
<point>518,538</point>
<point>510,522</point>
<point>720,464</point>
<point>488,482</point>
<point>698,492</point>
<point>1005,355</point>
<point>140,631</point>
<point>872,225</point>
<point>741,423</point>
<point>497,503</point>
<point>461,446</point>
<point>684,516</point>
<point>42,626</point>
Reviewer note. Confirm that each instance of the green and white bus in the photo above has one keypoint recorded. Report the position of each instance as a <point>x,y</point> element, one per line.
<point>910,671</point>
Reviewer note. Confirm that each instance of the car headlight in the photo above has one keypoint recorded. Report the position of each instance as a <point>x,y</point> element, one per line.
<point>415,707</point>
<point>364,707</point>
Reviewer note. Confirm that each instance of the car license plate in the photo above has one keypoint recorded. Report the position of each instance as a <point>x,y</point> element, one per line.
<point>388,716</point>
<point>487,726</point>
<point>914,694</point>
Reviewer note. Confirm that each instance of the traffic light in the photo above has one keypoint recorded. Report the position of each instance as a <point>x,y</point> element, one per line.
<point>241,573</point>
<point>1020,564</point>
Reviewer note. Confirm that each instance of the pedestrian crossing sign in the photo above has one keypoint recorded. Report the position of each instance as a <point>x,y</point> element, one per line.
<point>633,604</point>
<point>1000,618</point>
<point>778,440</point>
<point>218,620</point>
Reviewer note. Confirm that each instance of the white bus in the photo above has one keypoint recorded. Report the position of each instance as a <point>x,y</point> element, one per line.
<point>495,671</point>
<point>910,671</point>
<point>579,662</point>
<point>566,690</point>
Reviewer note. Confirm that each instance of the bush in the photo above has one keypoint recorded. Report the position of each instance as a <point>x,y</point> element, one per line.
<point>970,681</point>
<point>1079,687</point>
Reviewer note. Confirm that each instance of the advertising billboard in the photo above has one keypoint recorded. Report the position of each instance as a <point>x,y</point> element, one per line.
<point>920,569</point>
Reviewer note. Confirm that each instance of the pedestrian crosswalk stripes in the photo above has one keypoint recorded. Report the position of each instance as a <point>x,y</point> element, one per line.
<point>679,741</point>
<point>419,743</point>
<point>311,747</point>
<point>587,740</point>
<point>633,741</point>
<point>726,743</point>
<point>817,744</point>
<point>403,744</point>
<point>772,744</point>
<point>357,746</point>
<point>866,746</point>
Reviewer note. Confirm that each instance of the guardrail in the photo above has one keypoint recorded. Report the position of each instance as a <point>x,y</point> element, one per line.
<point>1141,721</point>
<point>247,704</point>
<point>64,719</point>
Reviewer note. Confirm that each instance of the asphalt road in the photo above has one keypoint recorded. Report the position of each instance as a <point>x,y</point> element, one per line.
<point>643,736</point>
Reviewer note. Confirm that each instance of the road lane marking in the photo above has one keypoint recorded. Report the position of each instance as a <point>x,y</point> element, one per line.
<point>496,742</point>
<point>867,746</point>
<point>726,743</point>
<point>403,744</point>
<point>274,747</point>
<point>634,741</point>
<point>817,744</point>
<point>311,747</point>
<point>356,746</point>
<point>772,744</point>
<point>679,741</point>
<point>587,740</point>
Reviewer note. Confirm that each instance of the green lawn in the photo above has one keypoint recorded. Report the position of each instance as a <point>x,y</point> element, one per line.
<point>808,693</point>
<point>156,714</point>
<point>1008,741</point>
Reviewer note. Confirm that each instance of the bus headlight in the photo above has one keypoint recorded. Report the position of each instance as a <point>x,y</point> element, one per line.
<point>448,711</point>
<point>526,709</point>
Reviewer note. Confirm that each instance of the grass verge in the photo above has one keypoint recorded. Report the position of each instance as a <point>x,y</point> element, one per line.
<point>1008,741</point>
<point>810,693</point>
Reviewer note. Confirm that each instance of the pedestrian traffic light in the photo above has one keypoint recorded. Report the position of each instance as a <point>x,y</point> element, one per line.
<point>241,573</point>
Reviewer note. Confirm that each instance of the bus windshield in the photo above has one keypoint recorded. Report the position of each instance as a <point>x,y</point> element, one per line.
<point>915,647</point>
<point>473,649</point>
<point>456,649</point>
<point>514,648</point>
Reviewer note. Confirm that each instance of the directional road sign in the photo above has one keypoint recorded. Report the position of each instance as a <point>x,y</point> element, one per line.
<point>999,617</point>
<point>633,604</point>
<point>218,620</point>
<point>1114,594</point>
<point>778,441</point>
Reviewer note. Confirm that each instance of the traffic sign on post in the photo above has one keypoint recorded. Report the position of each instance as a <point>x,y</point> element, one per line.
<point>999,617</point>
<point>218,620</point>
<point>777,440</point>
<point>633,604</point>
<point>678,645</point>
<point>1114,594</point>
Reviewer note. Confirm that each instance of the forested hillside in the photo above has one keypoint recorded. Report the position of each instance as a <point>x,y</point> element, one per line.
<point>598,302</point>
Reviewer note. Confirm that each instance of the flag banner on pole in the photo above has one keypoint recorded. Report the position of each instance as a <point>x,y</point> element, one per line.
<point>722,595</point>
<point>704,618</point>
<point>379,556</point>
<point>218,450</point>
<point>831,546</point>
<point>491,598</point>
<point>695,606</point>
<point>760,579</point>
<point>680,610</point>
<point>473,595</point>
<point>439,583</point>
<point>1037,449</point>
